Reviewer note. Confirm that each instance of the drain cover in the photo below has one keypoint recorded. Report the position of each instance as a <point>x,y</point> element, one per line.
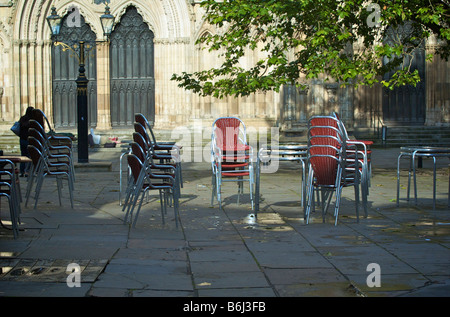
<point>49,270</point>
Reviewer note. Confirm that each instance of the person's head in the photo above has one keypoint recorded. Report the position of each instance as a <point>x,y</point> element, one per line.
<point>28,111</point>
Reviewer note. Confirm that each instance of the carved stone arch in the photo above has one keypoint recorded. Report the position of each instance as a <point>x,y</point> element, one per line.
<point>151,15</point>
<point>203,29</point>
<point>131,68</point>
<point>65,67</point>
<point>203,33</point>
<point>30,17</point>
<point>166,18</point>
<point>91,17</point>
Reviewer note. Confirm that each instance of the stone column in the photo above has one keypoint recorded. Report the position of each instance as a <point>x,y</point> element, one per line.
<point>103,86</point>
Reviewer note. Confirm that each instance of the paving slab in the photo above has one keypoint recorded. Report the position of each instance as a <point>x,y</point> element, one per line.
<point>230,252</point>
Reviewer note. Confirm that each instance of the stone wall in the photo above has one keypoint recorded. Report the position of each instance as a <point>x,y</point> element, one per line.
<point>26,76</point>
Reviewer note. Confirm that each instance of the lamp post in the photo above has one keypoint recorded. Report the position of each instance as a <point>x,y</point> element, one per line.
<point>54,21</point>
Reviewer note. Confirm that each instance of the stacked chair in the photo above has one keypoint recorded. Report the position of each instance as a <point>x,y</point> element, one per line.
<point>165,152</point>
<point>360,149</point>
<point>9,188</point>
<point>51,156</point>
<point>231,157</point>
<point>334,163</point>
<point>152,166</point>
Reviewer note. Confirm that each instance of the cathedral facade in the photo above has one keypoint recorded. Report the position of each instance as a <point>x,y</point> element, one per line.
<point>130,71</point>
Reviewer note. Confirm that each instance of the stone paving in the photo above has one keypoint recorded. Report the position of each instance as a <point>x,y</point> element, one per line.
<point>229,252</point>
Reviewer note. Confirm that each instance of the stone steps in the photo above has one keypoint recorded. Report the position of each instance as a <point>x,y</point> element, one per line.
<point>395,136</point>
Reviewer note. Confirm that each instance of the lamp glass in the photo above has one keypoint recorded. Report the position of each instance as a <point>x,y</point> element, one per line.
<point>54,21</point>
<point>107,21</point>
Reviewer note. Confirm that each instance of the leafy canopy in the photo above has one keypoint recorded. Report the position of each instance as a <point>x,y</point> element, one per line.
<point>345,40</point>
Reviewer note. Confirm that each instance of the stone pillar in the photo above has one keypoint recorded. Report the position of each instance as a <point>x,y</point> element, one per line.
<point>103,86</point>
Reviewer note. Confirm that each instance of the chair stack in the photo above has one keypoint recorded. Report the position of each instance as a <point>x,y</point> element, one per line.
<point>152,166</point>
<point>9,188</point>
<point>51,156</point>
<point>358,149</point>
<point>332,165</point>
<point>231,157</point>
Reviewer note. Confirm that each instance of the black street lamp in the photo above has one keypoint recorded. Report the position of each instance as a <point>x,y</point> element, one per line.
<point>78,47</point>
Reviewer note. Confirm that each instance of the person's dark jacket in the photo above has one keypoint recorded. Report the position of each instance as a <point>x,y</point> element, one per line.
<point>25,124</point>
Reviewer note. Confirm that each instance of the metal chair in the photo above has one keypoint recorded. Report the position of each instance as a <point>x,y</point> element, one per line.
<point>142,155</point>
<point>143,181</point>
<point>8,189</point>
<point>329,169</point>
<point>231,157</point>
<point>43,168</point>
<point>39,116</point>
<point>36,139</point>
<point>361,150</point>
<point>168,147</point>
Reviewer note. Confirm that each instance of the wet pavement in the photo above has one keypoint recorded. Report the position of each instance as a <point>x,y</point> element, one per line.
<point>396,251</point>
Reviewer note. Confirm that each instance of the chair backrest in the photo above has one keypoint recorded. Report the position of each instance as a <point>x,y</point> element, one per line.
<point>39,116</point>
<point>140,118</point>
<point>139,139</point>
<point>139,128</point>
<point>228,132</point>
<point>35,154</point>
<point>37,135</point>
<point>325,147</point>
<point>7,176</point>
<point>135,165</point>
<point>36,143</point>
<point>137,150</point>
<point>341,126</point>
<point>36,125</point>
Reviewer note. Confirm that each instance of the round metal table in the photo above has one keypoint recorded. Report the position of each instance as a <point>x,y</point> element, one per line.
<point>413,152</point>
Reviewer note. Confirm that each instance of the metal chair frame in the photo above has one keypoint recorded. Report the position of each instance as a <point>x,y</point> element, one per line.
<point>232,160</point>
<point>44,168</point>
<point>142,182</point>
<point>8,189</point>
<point>329,168</point>
<point>168,147</point>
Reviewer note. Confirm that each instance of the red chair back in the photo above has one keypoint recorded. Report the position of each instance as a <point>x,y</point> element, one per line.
<point>324,144</point>
<point>227,133</point>
<point>136,166</point>
<point>137,150</point>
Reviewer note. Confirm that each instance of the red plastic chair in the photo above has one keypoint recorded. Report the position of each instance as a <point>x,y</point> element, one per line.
<point>231,157</point>
<point>329,169</point>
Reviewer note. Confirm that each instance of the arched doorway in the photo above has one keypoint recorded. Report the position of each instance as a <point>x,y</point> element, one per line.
<point>132,70</point>
<point>405,105</point>
<point>65,72</point>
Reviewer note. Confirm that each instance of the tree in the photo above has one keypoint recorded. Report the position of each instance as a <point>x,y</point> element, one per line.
<point>353,42</point>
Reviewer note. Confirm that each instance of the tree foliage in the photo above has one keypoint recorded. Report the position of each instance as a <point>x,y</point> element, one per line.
<point>352,42</point>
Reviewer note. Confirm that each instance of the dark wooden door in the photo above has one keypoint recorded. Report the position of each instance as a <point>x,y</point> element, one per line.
<point>405,105</point>
<point>65,72</point>
<point>132,70</point>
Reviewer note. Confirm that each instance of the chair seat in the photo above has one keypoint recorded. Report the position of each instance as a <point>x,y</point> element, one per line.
<point>226,166</point>
<point>235,148</point>
<point>235,174</point>
<point>156,186</point>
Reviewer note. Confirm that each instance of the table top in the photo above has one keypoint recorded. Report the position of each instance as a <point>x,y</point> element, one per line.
<point>426,149</point>
<point>16,158</point>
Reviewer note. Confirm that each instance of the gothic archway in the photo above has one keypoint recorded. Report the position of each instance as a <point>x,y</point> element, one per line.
<point>132,70</point>
<point>65,72</point>
<point>405,105</point>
